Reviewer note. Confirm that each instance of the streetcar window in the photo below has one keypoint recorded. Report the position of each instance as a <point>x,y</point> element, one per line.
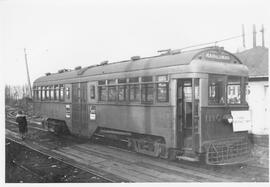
<point>56,92</point>
<point>52,92</point>
<point>102,82</point>
<point>162,78</point>
<point>111,93</point>
<point>111,81</point>
<point>92,92</point>
<point>188,91</point>
<point>216,93</point>
<point>34,93</point>
<point>122,89</point>
<point>43,92</point>
<point>147,92</point>
<point>102,93</point>
<point>147,79</point>
<point>234,90</point>
<point>134,92</point>
<point>47,93</point>
<point>121,81</point>
<point>122,92</point>
<point>134,79</point>
<point>61,92</point>
<point>162,92</point>
<point>39,93</point>
<point>67,92</point>
<point>162,89</point>
<point>134,89</point>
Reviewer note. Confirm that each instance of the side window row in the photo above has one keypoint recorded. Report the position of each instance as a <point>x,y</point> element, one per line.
<point>135,89</point>
<point>52,92</point>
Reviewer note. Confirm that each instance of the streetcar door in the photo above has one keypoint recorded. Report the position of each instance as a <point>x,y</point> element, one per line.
<point>79,108</point>
<point>188,114</point>
<point>184,114</point>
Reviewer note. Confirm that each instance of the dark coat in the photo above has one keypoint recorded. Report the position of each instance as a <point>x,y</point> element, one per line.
<point>21,120</point>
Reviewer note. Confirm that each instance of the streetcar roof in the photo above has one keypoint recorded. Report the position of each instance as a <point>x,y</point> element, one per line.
<point>183,58</point>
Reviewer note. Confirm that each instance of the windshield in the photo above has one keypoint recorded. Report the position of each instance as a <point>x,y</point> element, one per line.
<point>226,90</point>
<point>234,90</point>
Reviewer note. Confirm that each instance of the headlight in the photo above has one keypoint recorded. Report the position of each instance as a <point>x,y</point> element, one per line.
<point>228,118</point>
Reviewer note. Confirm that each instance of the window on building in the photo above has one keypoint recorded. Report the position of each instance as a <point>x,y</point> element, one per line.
<point>216,93</point>
<point>234,90</point>
<point>162,89</point>
<point>147,92</point>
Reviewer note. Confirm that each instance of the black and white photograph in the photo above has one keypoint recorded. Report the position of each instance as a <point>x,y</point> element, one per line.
<point>134,91</point>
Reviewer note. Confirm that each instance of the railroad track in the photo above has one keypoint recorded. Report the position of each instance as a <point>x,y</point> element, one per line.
<point>47,153</point>
<point>128,166</point>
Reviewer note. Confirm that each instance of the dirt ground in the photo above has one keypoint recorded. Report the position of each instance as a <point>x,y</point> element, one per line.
<point>26,166</point>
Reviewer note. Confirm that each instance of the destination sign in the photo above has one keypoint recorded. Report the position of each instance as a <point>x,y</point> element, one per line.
<point>217,55</point>
<point>241,120</point>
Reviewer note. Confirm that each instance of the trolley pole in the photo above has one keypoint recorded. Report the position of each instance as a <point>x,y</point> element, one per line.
<point>28,77</point>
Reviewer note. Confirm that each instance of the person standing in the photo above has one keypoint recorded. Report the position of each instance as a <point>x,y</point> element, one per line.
<point>22,123</point>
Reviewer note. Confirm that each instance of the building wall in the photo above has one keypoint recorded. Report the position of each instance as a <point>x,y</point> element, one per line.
<point>258,100</point>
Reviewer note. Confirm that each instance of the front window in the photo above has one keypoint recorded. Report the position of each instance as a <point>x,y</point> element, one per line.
<point>234,90</point>
<point>226,89</point>
<point>216,93</point>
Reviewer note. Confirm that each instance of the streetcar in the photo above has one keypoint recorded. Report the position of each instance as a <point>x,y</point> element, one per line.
<point>176,105</point>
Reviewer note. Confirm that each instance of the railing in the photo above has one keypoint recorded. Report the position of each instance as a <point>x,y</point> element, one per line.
<point>228,151</point>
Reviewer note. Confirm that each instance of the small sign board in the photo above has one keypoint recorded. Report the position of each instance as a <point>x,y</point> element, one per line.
<point>92,112</point>
<point>217,56</point>
<point>241,120</point>
<point>92,116</point>
<point>68,111</point>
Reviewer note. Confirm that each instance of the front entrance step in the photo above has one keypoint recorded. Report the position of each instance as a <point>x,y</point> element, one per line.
<point>188,155</point>
<point>191,159</point>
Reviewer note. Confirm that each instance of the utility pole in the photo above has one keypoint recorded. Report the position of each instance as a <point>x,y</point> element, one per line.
<point>243,35</point>
<point>28,77</point>
<point>262,31</point>
<point>254,36</point>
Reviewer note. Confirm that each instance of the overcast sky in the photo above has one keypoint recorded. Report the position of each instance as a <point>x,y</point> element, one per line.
<point>66,34</point>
